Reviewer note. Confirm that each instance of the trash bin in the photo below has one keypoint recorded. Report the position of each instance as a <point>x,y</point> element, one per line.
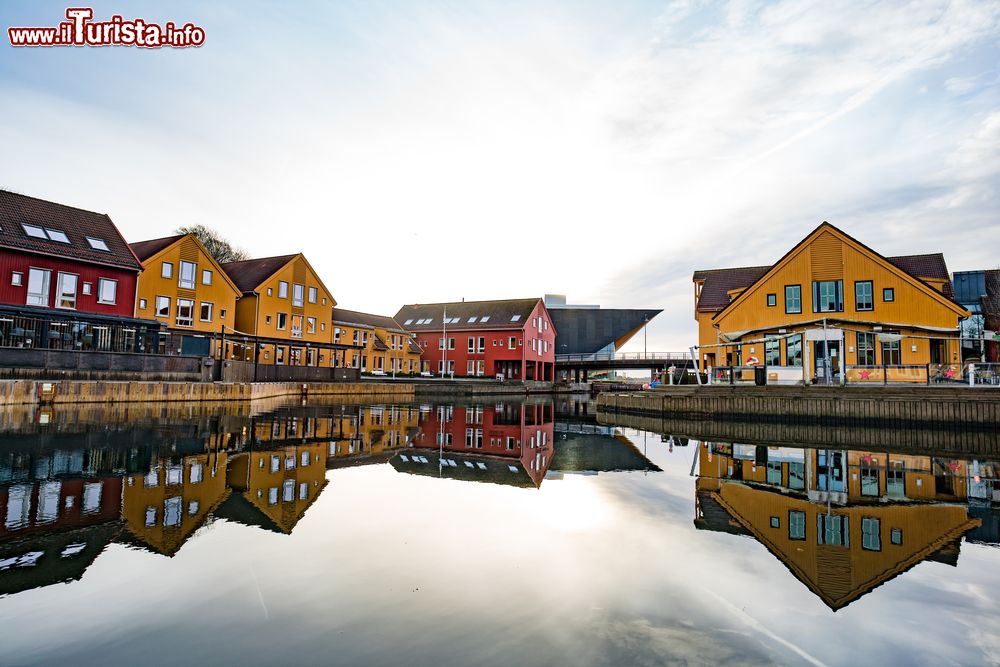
<point>759,376</point>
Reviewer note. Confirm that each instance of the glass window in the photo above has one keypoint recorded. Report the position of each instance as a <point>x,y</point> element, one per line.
<point>196,473</point>
<point>772,300</point>
<point>98,244</point>
<point>282,289</point>
<point>313,295</point>
<point>206,311</point>
<point>311,325</point>
<point>772,352</point>
<point>864,295</point>
<point>796,525</point>
<point>869,479</point>
<point>888,294</point>
<point>298,294</point>
<point>895,479</point>
<point>92,497</point>
<point>163,306</point>
<point>832,529</point>
<point>185,312</point>
<point>866,348</point>
<point>16,277</point>
<point>896,536</point>
<point>38,287</point>
<point>774,472</point>
<point>66,290</point>
<point>86,287</point>
<point>272,496</point>
<point>167,270</point>
<point>150,516</point>
<point>282,320</point>
<point>172,511</point>
<point>828,296</point>
<point>793,350</point>
<point>793,299</point>
<point>775,522</point>
<point>796,476</point>
<point>57,235</point>
<point>187,273</point>
<point>871,536</point>
<point>297,326</point>
<point>206,277</point>
<point>890,352</point>
<point>107,290</point>
<point>34,232</point>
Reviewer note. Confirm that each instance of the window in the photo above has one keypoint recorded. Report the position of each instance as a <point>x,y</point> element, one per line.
<point>298,294</point>
<point>142,304</point>
<point>16,278</point>
<point>107,290</point>
<point>484,318</point>
<point>828,296</point>
<point>167,270</point>
<point>869,478</point>
<point>270,291</point>
<point>185,312</point>
<point>871,536</point>
<point>888,294</point>
<point>185,279</point>
<point>896,536</point>
<point>98,244</point>
<point>482,343</point>
<point>796,525</point>
<point>150,516</point>
<point>832,529</point>
<point>38,287</point>
<point>222,313</point>
<point>66,290</point>
<point>313,294</point>
<point>772,352</point>
<point>206,277</point>
<point>793,299</point>
<point>793,350</point>
<point>772,300</point>
<point>775,522</point>
<point>472,343</point>
<point>890,351</point>
<point>895,479</point>
<point>311,325</point>
<point>163,306</point>
<point>87,287</point>
<point>35,232</point>
<point>296,326</point>
<point>282,320</point>
<point>864,295</point>
<point>206,312</point>
<point>279,355</point>
<point>866,348</point>
<point>282,289</point>
<point>515,318</point>
<point>56,235</point>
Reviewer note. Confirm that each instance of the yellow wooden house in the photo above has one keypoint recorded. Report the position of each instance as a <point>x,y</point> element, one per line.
<point>380,346</point>
<point>285,308</point>
<point>183,286</point>
<point>832,309</point>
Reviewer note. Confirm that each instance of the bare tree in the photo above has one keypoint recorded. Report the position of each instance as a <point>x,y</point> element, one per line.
<point>218,247</point>
<point>991,311</point>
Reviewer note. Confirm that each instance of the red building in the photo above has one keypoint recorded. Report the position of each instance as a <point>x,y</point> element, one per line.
<point>67,278</point>
<point>513,338</point>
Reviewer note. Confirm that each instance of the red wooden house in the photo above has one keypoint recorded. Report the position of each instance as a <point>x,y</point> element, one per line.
<point>67,278</point>
<point>514,338</point>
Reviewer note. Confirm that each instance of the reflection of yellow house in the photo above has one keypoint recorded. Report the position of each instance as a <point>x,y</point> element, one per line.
<point>165,506</point>
<point>381,345</point>
<point>273,488</point>
<point>831,297</point>
<point>284,304</point>
<point>840,553</point>
<point>372,432</point>
<point>182,286</point>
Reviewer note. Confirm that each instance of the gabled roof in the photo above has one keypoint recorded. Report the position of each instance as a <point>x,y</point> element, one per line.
<point>733,277</point>
<point>718,283</point>
<point>930,266</point>
<point>77,224</point>
<point>146,249</point>
<point>249,274</point>
<point>357,318</point>
<point>507,314</point>
<point>414,348</point>
<point>379,344</point>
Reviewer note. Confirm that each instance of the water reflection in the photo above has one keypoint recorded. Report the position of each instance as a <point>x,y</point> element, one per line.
<point>846,521</point>
<point>69,487</point>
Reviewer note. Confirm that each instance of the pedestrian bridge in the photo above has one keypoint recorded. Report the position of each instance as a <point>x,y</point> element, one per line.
<point>652,361</point>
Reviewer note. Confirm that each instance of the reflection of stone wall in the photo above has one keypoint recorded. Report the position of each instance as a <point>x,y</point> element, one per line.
<point>910,440</point>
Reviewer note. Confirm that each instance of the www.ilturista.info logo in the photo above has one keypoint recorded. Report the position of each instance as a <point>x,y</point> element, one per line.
<point>80,30</point>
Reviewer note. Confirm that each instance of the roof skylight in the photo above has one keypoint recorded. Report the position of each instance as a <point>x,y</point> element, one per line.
<point>515,318</point>
<point>56,235</point>
<point>33,231</point>
<point>98,244</point>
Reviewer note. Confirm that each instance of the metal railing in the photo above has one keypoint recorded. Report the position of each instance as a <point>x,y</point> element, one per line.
<point>625,356</point>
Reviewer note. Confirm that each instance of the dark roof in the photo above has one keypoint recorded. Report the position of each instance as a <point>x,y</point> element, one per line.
<point>379,344</point>
<point>718,283</point>
<point>416,349</point>
<point>342,316</point>
<point>146,249</point>
<point>923,266</point>
<point>499,314</point>
<point>250,273</point>
<point>468,468</point>
<point>588,330</point>
<point>76,223</point>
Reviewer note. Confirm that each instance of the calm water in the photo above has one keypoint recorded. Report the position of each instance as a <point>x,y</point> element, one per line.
<point>496,534</point>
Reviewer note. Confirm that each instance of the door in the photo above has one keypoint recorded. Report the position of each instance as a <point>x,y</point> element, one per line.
<point>826,360</point>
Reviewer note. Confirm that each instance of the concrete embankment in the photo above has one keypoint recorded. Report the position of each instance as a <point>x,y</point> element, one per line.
<point>953,407</point>
<point>68,392</point>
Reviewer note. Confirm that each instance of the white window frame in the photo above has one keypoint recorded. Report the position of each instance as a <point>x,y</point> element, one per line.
<point>313,295</point>
<point>298,294</point>
<point>177,315</point>
<point>101,282</point>
<point>206,273</point>
<point>201,311</point>
<point>17,278</point>
<point>282,289</point>
<point>167,270</point>
<point>59,289</point>
<point>184,283</point>
<point>160,301</point>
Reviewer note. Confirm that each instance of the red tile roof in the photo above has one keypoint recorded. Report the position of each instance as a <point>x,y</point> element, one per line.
<point>17,210</point>
<point>250,273</point>
<point>146,249</point>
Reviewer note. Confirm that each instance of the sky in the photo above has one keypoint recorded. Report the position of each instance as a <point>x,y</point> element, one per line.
<point>435,151</point>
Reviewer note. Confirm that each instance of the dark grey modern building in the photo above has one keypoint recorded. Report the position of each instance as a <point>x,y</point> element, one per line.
<point>590,329</point>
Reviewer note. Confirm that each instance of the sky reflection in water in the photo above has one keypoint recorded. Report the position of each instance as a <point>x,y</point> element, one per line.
<point>307,538</point>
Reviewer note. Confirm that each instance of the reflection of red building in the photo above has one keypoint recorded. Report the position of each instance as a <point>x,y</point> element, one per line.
<point>522,435</point>
<point>57,504</point>
<point>515,338</point>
